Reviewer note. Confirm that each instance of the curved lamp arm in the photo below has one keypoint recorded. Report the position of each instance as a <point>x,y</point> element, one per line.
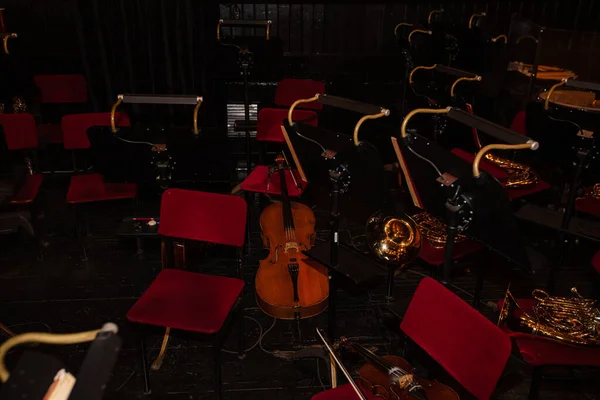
<point>198,104</point>
<point>532,145</point>
<point>113,125</point>
<point>50,338</point>
<point>384,113</point>
<point>410,76</point>
<point>495,39</point>
<point>483,14</point>
<point>417,31</point>
<point>527,37</point>
<point>559,84</point>
<point>5,41</point>
<point>431,14</point>
<point>301,101</point>
<point>399,25</point>
<point>476,78</point>
<point>419,111</point>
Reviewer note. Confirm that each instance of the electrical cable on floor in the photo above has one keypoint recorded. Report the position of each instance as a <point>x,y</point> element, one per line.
<point>319,375</point>
<point>258,342</point>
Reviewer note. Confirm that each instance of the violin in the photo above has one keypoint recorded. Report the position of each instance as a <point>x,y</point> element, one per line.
<point>392,378</point>
<point>287,287</point>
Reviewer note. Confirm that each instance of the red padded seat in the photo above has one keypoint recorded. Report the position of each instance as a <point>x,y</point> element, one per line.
<point>467,345</point>
<point>501,175</point>
<point>257,182</point>
<point>187,300</point>
<point>270,120</point>
<point>435,256</point>
<point>19,131</point>
<point>75,127</point>
<point>91,187</point>
<point>344,392</point>
<point>66,88</point>
<point>539,351</point>
<point>28,191</point>
<point>588,205</point>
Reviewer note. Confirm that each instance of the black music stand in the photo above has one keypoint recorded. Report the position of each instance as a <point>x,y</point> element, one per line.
<point>478,208</point>
<point>349,180</point>
<point>265,54</point>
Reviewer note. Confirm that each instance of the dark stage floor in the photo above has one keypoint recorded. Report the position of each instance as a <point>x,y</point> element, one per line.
<point>63,294</point>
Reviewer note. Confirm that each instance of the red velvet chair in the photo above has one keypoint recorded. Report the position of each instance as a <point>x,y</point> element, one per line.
<point>268,128</point>
<point>59,90</point>
<point>91,188</point>
<point>20,135</point>
<point>541,353</point>
<point>588,205</point>
<point>465,343</point>
<point>191,301</point>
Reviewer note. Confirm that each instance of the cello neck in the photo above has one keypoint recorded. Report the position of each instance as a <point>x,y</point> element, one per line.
<point>288,218</point>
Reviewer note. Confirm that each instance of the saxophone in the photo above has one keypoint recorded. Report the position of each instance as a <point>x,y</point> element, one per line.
<point>519,175</point>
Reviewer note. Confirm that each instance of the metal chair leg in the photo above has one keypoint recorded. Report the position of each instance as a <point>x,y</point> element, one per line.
<point>536,380</point>
<point>241,347</point>
<point>142,345</point>
<point>81,236</point>
<point>163,349</point>
<point>217,360</point>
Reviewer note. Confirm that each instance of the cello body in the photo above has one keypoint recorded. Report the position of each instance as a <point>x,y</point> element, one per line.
<point>287,287</point>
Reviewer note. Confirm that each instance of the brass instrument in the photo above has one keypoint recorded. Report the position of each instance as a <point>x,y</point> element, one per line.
<point>575,320</point>
<point>519,175</point>
<point>595,192</point>
<point>434,230</point>
<point>393,239</point>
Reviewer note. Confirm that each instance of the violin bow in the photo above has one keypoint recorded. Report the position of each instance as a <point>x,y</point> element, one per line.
<point>339,363</point>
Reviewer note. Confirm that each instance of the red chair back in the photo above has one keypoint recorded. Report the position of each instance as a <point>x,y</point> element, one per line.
<point>289,90</point>
<point>519,123</point>
<point>20,131</point>
<point>270,120</point>
<point>202,216</point>
<point>75,126</point>
<point>465,343</point>
<point>62,88</point>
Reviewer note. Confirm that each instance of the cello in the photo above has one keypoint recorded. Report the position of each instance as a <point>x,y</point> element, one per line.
<point>287,287</point>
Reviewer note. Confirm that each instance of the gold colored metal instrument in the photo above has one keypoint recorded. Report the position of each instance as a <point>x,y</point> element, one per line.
<point>595,192</point>
<point>393,239</point>
<point>434,230</point>
<point>519,175</point>
<point>575,320</point>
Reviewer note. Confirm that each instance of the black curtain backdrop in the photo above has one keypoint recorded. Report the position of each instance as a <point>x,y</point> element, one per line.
<point>144,46</point>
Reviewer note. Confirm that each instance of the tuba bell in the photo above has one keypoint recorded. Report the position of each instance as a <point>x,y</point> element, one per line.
<point>574,320</point>
<point>392,239</point>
